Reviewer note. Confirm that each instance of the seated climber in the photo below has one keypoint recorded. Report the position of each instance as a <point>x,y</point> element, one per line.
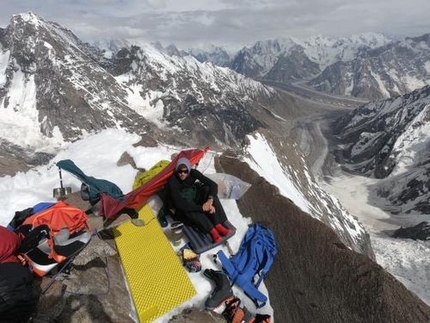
<point>194,196</point>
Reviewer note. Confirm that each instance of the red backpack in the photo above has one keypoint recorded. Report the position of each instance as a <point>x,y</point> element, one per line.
<point>9,245</point>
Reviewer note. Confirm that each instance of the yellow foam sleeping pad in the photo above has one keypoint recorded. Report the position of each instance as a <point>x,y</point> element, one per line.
<point>156,278</point>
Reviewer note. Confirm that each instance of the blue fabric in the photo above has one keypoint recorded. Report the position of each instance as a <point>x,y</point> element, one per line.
<point>97,186</point>
<point>20,216</point>
<point>42,206</point>
<point>255,256</point>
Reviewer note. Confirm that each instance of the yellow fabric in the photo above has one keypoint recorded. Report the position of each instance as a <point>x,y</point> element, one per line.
<point>150,173</point>
<point>157,280</point>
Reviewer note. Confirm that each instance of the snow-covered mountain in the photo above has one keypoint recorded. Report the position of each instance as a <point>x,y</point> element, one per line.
<point>182,94</point>
<point>67,88</point>
<point>390,139</point>
<point>287,60</point>
<point>73,89</point>
<point>394,69</point>
<point>214,54</point>
<point>55,89</point>
<point>368,65</point>
<point>258,60</point>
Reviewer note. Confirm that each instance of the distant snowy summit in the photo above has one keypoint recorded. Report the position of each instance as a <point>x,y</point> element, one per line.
<point>369,65</point>
<point>58,88</point>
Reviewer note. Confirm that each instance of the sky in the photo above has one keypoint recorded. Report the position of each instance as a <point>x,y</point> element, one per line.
<point>229,24</point>
<point>406,259</point>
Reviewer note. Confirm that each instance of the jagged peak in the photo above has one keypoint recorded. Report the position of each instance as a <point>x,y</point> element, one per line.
<point>30,17</point>
<point>207,48</point>
<point>367,39</point>
<point>111,47</point>
<point>34,28</point>
<point>270,46</point>
<point>38,23</point>
<point>172,50</point>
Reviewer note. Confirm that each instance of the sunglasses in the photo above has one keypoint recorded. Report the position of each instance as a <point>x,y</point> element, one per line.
<point>182,171</point>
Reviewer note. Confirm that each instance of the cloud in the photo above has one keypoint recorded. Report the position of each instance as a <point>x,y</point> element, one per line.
<point>226,23</point>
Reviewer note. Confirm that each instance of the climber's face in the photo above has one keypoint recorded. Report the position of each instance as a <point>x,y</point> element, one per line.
<point>182,173</point>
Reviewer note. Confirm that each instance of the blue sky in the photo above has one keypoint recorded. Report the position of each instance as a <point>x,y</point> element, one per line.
<point>231,24</point>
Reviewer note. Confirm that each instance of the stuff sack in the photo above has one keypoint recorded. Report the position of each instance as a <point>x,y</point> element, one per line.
<point>229,186</point>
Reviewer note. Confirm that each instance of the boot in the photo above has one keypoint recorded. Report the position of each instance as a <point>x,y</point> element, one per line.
<point>222,291</point>
<point>215,235</point>
<point>234,313</point>
<point>222,230</point>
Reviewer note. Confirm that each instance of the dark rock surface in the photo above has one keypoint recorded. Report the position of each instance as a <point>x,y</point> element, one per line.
<point>95,290</point>
<point>315,277</point>
<point>419,232</point>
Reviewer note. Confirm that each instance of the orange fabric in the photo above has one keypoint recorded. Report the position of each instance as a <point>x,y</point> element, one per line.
<point>60,215</point>
<point>138,197</point>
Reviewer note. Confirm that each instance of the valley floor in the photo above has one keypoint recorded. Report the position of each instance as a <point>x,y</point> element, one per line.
<point>405,259</point>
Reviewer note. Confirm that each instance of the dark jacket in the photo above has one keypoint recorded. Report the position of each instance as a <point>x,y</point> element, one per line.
<point>19,294</point>
<point>179,189</point>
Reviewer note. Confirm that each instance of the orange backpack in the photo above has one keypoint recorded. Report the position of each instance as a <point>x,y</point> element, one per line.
<point>53,235</point>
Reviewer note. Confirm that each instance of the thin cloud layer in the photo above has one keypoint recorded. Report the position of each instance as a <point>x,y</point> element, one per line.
<point>231,24</point>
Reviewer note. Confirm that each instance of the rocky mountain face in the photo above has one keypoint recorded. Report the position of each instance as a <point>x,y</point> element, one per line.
<point>296,66</point>
<point>258,60</point>
<point>65,88</point>
<point>148,89</point>
<point>390,139</point>
<point>203,102</point>
<point>72,88</point>
<point>366,66</point>
<point>320,205</point>
<point>215,55</point>
<point>315,277</point>
<point>394,69</point>
<point>53,81</point>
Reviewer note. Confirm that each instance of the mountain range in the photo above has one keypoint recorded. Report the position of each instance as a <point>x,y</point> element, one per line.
<point>389,140</point>
<point>69,88</point>
<point>56,89</point>
<point>369,66</point>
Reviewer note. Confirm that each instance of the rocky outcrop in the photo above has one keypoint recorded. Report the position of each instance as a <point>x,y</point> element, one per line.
<point>16,159</point>
<point>419,232</point>
<point>315,277</point>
